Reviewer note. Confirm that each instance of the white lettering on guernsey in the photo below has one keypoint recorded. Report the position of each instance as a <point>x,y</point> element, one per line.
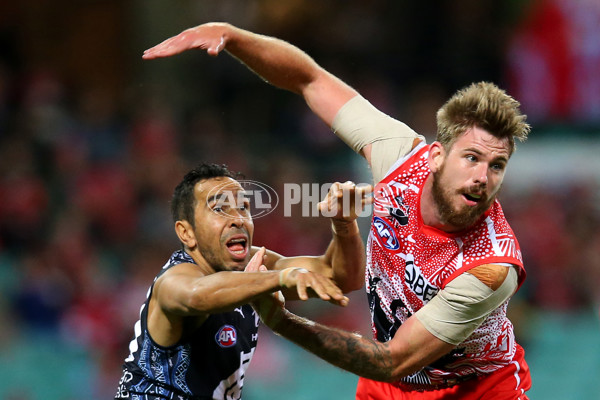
<point>133,345</point>
<point>231,388</point>
<point>122,392</point>
<point>417,282</point>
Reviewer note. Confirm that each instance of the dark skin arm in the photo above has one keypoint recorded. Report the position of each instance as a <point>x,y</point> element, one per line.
<point>186,290</point>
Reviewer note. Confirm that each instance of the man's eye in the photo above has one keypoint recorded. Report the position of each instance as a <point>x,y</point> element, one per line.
<point>218,209</point>
<point>498,167</point>
<point>471,157</point>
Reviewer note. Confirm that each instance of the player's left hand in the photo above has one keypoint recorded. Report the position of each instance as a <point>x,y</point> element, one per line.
<point>270,306</point>
<point>212,37</point>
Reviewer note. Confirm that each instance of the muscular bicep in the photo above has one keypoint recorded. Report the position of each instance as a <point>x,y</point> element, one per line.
<point>462,306</point>
<point>325,94</point>
<point>176,292</point>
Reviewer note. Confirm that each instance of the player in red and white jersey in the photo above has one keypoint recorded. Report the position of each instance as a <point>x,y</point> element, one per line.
<point>442,262</point>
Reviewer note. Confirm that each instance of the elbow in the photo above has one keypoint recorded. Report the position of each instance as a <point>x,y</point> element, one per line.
<point>356,284</point>
<point>349,284</point>
<point>354,281</point>
<point>396,374</point>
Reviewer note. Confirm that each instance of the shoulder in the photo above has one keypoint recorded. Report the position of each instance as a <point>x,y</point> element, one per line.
<point>171,278</point>
<point>491,275</point>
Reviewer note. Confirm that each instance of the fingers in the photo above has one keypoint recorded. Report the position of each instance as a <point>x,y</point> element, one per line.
<point>309,283</point>
<point>346,201</point>
<point>166,48</point>
<point>256,262</point>
<point>209,36</point>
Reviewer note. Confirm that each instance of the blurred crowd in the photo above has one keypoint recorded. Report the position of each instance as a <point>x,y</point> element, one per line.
<point>87,171</point>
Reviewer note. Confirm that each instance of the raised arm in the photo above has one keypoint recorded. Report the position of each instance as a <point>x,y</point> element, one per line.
<point>368,131</point>
<point>276,61</point>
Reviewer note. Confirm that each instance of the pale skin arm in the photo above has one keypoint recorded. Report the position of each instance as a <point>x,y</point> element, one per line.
<point>412,347</point>
<point>279,63</point>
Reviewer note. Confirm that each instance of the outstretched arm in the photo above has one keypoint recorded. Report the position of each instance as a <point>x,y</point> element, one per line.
<point>371,133</point>
<point>184,290</point>
<point>432,332</point>
<point>276,61</point>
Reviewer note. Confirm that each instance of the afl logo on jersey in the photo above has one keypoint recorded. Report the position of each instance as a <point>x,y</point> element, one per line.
<point>226,336</point>
<point>386,234</point>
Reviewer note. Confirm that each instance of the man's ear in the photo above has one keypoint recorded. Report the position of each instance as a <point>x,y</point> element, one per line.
<point>437,155</point>
<point>185,233</point>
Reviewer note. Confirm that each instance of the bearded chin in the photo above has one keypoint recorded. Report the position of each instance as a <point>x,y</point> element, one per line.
<point>448,215</point>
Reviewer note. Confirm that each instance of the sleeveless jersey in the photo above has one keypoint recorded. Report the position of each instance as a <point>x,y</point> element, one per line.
<point>208,363</point>
<point>408,262</point>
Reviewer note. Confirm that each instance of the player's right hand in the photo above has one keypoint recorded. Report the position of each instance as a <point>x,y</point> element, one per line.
<point>212,37</point>
<point>308,284</point>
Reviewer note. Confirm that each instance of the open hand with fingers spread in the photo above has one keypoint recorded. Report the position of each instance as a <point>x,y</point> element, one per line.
<point>307,284</point>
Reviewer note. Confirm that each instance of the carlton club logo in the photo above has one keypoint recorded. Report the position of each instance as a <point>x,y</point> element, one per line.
<point>226,336</point>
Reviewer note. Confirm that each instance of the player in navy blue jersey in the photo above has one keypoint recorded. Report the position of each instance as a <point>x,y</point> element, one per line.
<point>196,334</point>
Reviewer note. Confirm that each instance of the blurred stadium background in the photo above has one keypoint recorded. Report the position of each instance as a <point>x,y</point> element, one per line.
<point>93,141</point>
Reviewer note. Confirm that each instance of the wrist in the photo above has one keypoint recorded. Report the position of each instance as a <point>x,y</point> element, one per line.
<point>284,273</point>
<point>343,228</point>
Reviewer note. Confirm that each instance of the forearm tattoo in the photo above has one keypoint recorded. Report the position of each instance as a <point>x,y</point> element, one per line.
<point>346,350</point>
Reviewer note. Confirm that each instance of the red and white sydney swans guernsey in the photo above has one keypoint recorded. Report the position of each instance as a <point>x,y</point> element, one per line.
<point>409,262</point>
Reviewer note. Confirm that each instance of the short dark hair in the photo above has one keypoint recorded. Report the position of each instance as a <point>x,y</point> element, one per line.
<point>183,201</point>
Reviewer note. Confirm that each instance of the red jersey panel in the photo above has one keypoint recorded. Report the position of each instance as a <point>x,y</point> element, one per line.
<point>409,262</point>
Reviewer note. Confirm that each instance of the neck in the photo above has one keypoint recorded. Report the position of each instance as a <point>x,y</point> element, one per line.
<point>200,261</point>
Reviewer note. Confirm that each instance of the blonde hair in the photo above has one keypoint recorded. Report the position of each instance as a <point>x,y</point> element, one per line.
<point>485,106</point>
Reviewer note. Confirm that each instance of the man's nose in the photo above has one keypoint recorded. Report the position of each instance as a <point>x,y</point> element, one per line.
<point>238,217</point>
<point>481,176</point>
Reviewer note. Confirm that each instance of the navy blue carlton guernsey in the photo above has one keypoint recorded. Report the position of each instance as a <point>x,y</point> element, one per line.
<point>208,363</point>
